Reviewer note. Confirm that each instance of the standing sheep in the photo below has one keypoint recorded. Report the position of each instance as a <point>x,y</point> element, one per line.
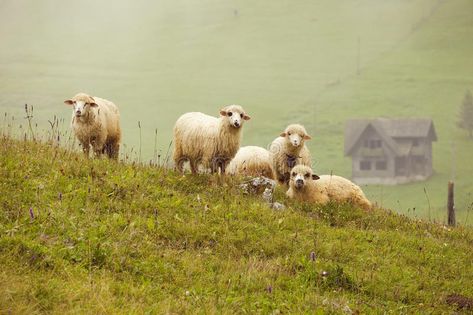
<point>252,161</point>
<point>207,140</point>
<point>96,123</point>
<point>306,186</point>
<point>289,150</point>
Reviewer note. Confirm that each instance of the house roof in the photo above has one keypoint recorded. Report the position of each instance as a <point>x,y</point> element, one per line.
<point>389,130</point>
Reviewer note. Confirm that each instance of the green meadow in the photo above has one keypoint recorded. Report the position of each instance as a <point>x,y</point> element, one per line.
<point>94,236</point>
<point>315,62</point>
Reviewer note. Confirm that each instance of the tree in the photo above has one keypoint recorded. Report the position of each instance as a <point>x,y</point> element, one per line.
<point>466,114</point>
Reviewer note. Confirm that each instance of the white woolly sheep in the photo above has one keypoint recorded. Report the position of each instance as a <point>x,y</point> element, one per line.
<point>290,150</point>
<point>306,186</point>
<point>252,161</point>
<point>207,140</point>
<point>96,122</point>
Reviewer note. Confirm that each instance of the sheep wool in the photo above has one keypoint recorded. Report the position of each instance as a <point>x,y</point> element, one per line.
<point>289,150</point>
<point>252,161</point>
<point>96,123</point>
<point>208,141</point>
<point>308,187</point>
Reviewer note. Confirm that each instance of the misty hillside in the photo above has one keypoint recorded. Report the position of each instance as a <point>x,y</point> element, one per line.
<point>316,62</point>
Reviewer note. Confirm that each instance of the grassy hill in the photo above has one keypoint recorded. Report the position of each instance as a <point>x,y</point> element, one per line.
<point>424,75</point>
<point>94,236</point>
<point>284,61</point>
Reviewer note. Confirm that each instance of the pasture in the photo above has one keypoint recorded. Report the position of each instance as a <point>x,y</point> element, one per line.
<point>314,62</point>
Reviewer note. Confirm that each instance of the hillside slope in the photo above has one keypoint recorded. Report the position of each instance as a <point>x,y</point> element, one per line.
<point>425,74</point>
<point>94,236</point>
<point>283,61</point>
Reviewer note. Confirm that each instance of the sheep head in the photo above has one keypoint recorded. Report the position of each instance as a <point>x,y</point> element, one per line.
<point>300,176</point>
<point>235,115</point>
<point>295,135</point>
<point>81,104</point>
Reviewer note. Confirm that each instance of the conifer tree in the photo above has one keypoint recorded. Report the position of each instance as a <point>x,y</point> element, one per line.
<point>466,114</point>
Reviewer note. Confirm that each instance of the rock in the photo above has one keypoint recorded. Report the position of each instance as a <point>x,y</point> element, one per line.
<point>277,206</point>
<point>262,186</point>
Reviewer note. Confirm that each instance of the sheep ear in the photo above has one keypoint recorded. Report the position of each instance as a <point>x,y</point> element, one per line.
<point>315,177</point>
<point>68,102</point>
<point>246,117</point>
<point>307,137</point>
<point>223,112</point>
<point>93,104</point>
<point>283,134</point>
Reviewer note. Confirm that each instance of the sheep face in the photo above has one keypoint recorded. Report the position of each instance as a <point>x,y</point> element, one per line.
<point>81,104</point>
<point>300,176</point>
<point>295,135</point>
<point>235,115</point>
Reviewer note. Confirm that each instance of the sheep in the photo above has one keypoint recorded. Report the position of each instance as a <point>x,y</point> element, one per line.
<point>252,161</point>
<point>207,140</point>
<point>96,122</point>
<point>289,150</point>
<point>304,185</point>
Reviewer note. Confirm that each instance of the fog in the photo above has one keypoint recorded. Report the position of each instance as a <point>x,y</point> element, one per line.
<point>315,62</point>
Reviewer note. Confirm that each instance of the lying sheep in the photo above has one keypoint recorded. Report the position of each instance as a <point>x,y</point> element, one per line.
<point>289,150</point>
<point>207,140</point>
<point>306,186</point>
<point>96,123</point>
<point>252,161</point>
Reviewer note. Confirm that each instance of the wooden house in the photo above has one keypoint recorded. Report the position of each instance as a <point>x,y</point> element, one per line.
<point>390,151</point>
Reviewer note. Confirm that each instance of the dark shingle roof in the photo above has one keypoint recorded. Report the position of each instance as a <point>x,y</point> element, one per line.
<point>389,129</point>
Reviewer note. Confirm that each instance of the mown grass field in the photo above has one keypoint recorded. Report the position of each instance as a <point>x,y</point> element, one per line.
<point>283,61</point>
<point>95,236</point>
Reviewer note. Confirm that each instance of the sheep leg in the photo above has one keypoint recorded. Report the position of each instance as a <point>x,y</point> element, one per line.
<point>194,166</point>
<point>85,148</point>
<point>112,148</point>
<point>223,167</point>
<point>98,149</point>
<point>114,151</point>
<point>179,162</point>
<point>213,167</point>
<point>98,152</point>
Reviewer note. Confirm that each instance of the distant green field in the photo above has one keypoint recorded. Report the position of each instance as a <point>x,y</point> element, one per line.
<point>284,61</point>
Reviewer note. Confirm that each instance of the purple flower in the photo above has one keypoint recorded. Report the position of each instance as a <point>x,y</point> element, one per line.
<point>31,213</point>
<point>60,196</point>
<point>269,289</point>
<point>312,256</point>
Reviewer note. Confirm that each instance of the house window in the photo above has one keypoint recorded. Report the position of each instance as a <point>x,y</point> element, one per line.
<point>374,144</point>
<point>381,165</point>
<point>365,165</point>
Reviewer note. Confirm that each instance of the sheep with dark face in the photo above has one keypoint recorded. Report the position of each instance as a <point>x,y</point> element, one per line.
<point>289,150</point>
<point>305,186</point>
<point>208,141</point>
<point>96,123</point>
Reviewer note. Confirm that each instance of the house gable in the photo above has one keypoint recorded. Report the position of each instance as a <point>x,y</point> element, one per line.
<point>390,151</point>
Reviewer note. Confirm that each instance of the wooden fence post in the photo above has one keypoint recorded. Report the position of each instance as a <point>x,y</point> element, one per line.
<point>451,205</point>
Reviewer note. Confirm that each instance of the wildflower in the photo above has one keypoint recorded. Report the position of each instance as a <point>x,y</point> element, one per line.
<point>269,289</point>
<point>60,196</point>
<point>312,256</point>
<point>31,214</point>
